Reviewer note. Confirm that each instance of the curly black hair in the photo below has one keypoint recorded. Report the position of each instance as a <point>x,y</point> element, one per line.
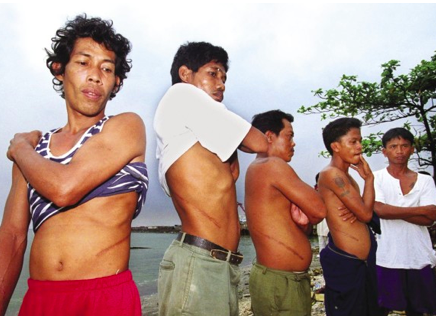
<point>100,31</point>
<point>194,55</point>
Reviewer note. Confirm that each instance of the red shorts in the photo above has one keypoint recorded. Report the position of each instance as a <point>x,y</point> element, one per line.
<point>113,295</point>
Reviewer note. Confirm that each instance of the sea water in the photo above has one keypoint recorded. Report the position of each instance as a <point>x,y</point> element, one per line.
<point>146,253</point>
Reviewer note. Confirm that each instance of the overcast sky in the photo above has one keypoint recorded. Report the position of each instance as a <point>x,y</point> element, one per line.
<point>278,55</point>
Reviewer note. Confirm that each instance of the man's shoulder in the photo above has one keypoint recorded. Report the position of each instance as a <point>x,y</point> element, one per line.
<point>271,167</point>
<point>379,172</point>
<point>330,171</point>
<point>123,120</point>
<point>331,174</point>
<point>269,162</point>
<point>182,90</point>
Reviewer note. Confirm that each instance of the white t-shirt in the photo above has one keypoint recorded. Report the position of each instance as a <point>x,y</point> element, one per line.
<point>187,115</point>
<point>403,245</point>
<point>322,228</point>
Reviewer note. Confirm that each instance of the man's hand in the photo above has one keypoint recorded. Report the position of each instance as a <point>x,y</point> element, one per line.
<point>30,139</point>
<point>346,214</point>
<point>363,168</point>
<point>298,216</point>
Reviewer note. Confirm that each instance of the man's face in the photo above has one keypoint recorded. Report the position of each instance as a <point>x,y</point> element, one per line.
<point>350,146</point>
<point>283,144</point>
<point>398,151</point>
<point>210,78</point>
<point>89,77</point>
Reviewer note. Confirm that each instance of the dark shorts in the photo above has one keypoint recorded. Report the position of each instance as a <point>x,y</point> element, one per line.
<point>115,295</point>
<point>407,289</point>
<point>351,283</point>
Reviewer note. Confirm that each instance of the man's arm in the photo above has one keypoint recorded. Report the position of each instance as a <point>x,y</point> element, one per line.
<point>297,191</point>
<point>234,165</point>
<point>338,182</point>
<point>254,142</point>
<point>419,215</point>
<point>13,237</point>
<point>121,141</point>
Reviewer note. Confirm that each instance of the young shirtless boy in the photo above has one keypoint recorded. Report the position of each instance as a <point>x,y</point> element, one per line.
<point>348,260</point>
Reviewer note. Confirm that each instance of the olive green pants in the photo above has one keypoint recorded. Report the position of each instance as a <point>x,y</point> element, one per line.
<point>276,292</point>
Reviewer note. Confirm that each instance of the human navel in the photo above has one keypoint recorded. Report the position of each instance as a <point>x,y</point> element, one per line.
<point>60,266</point>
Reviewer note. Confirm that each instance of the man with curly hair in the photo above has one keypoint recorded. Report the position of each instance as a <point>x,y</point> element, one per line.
<point>81,185</point>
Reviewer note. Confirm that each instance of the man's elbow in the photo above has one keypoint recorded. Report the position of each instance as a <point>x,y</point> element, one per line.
<point>255,141</point>
<point>317,218</point>
<point>366,217</point>
<point>64,196</point>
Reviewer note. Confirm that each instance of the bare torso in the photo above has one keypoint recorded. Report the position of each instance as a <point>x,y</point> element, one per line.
<point>89,241</point>
<point>280,244</point>
<point>203,192</point>
<point>351,237</point>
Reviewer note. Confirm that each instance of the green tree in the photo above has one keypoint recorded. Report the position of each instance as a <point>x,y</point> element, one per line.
<point>405,97</point>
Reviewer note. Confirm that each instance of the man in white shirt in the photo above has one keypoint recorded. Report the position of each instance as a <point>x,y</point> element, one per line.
<point>406,204</point>
<point>197,138</point>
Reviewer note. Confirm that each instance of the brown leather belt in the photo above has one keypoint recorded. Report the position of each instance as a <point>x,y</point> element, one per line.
<point>216,251</point>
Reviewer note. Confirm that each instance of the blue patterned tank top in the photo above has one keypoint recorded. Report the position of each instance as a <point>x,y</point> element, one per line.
<point>132,178</point>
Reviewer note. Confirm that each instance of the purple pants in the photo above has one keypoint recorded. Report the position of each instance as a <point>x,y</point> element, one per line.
<point>407,289</point>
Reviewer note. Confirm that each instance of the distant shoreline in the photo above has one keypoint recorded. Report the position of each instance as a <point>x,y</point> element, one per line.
<point>174,229</point>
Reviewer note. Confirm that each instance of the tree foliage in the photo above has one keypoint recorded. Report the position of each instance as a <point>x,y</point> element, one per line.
<point>404,97</point>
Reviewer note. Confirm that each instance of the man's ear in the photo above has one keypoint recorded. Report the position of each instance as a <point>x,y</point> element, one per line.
<point>269,136</point>
<point>117,85</point>
<point>185,74</point>
<point>335,146</point>
<point>56,67</point>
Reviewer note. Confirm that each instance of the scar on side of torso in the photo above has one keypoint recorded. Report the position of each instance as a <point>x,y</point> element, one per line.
<point>203,213</point>
<point>283,245</point>
<point>210,218</point>
<point>346,234</point>
<point>103,251</point>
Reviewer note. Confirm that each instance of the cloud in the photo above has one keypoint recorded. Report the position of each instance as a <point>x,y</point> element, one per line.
<point>278,53</point>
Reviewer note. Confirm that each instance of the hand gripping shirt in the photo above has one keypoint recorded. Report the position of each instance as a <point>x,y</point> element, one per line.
<point>403,245</point>
<point>187,115</point>
<point>133,177</point>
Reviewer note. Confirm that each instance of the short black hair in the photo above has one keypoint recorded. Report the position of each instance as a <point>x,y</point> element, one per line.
<point>100,31</point>
<point>194,55</point>
<point>271,121</point>
<point>397,132</point>
<point>338,128</point>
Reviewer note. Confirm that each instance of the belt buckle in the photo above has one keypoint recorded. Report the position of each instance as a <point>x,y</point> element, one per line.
<point>226,255</point>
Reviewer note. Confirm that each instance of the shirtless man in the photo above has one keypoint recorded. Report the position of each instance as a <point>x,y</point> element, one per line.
<point>82,221</point>
<point>197,138</point>
<point>274,195</point>
<point>348,261</point>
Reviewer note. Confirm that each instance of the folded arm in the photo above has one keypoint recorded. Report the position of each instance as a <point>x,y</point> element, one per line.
<point>121,141</point>
<point>339,183</point>
<point>297,191</point>
<point>419,215</point>
<point>254,142</point>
